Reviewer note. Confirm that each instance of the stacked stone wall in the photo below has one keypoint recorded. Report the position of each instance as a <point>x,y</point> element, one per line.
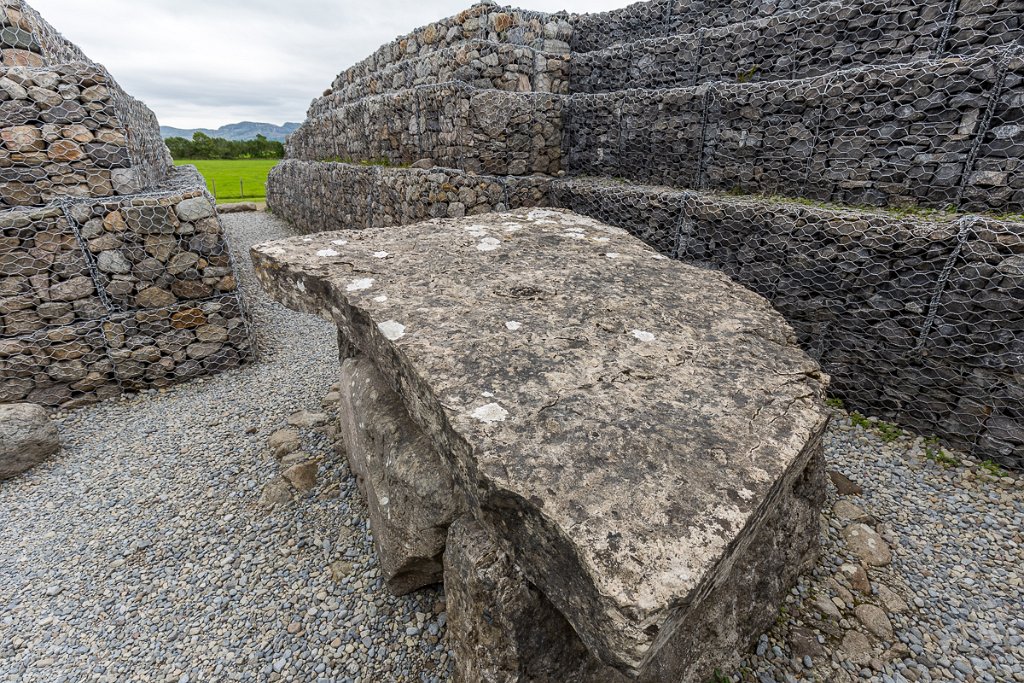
<point>99,296</point>
<point>68,129</point>
<point>479,63</point>
<point>114,272</point>
<point>941,134</point>
<point>964,27</point>
<point>918,320</point>
<point>322,196</point>
<point>483,22</point>
<point>456,125</point>
<point>819,40</point>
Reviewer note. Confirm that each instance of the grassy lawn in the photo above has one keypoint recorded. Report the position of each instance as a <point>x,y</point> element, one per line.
<point>223,177</point>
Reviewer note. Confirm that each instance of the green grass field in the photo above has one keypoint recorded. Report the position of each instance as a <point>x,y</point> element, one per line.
<point>228,179</point>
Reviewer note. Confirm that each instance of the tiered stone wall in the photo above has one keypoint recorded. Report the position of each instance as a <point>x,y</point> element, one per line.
<point>456,125</point>
<point>875,102</point>
<point>114,272</point>
<point>480,63</point>
<point>919,134</point>
<point>542,32</point>
<point>963,27</point>
<point>66,122</point>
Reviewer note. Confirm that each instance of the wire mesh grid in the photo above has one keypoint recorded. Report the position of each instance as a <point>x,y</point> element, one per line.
<point>114,271</point>
<point>733,134</point>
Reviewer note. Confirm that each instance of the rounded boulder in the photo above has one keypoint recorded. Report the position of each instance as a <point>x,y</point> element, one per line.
<point>27,438</point>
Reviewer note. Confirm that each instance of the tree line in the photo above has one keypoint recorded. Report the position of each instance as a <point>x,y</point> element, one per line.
<point>202,146</point>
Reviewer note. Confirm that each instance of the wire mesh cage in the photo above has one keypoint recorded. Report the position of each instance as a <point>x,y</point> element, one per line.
<point>114,271</point>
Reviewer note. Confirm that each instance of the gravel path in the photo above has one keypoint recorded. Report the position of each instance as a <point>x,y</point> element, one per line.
<point>949,606</point>
<point>140,552</point>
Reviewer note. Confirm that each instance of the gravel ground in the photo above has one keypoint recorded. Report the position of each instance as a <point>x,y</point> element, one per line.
<point>949,606</point>
<point>140,553</point>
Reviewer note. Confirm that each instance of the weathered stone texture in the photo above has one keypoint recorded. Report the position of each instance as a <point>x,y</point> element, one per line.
<point>628,426</point>
<point>411,494</point>
<point>27,438</point>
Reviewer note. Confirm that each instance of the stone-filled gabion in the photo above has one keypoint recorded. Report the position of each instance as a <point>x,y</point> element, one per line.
<point>962,26</point>
<point>938,134</point>
<point>912,104</point>
<point>480,63</point>
<point>457,125</point>
<point>114,273</point>
<point>482,22</point>
<point>66,122</point>
<point>102,296</point>
<point>322,196</point>
<point>917,320</point>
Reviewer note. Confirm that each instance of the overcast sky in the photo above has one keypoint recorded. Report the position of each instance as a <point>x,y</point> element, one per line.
<point>205,63</point>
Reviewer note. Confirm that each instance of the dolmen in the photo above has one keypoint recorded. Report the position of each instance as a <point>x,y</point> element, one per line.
<point>612,459</point>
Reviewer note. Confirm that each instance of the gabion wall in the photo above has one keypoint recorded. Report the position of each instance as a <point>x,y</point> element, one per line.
<point>796,44</point>
<point>485,131</point>
<point>918,319</point>
<point>317,197</point>
<point>114,272</point>
<point>962,26</point>
<point>501,66</point>
<point>540,31</point>
<point>66,123</point>
<point>913,104</point>
<point>940,134</point>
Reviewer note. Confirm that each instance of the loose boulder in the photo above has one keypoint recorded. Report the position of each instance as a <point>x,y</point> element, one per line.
<point>27,438</point>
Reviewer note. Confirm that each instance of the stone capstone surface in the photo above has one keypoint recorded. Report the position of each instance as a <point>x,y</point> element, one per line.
<point>628,428</point>
<point>27,438</point>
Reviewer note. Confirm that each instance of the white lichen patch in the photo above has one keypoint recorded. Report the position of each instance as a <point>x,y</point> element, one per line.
<point>612,254</point>
<point>487,394</point>
<point>488,244</point>
<point>307,239</point>
<point>392,329</point>
<point>326,253</point>
<point>574,235</point>
<point>381,298</point>
<point>643,336</point>
<point>380,254</point>
<point>360,284</point>
<point>300,285</point>
<point>490,413</point>
<point>542,214</point>
<point>602,240</point>
<point>476,230</point>
<point>745,494</point>
<point>660,257</point>
<point>340,243</point>
<point>513,325</point>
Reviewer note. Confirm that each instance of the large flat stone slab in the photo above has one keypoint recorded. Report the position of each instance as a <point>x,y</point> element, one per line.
<point>625,424</point>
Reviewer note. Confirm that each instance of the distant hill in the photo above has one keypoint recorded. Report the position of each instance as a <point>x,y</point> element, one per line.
<point>246,130</point>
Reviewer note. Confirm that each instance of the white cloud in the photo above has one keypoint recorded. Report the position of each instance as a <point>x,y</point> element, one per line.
<point>198,63</point>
